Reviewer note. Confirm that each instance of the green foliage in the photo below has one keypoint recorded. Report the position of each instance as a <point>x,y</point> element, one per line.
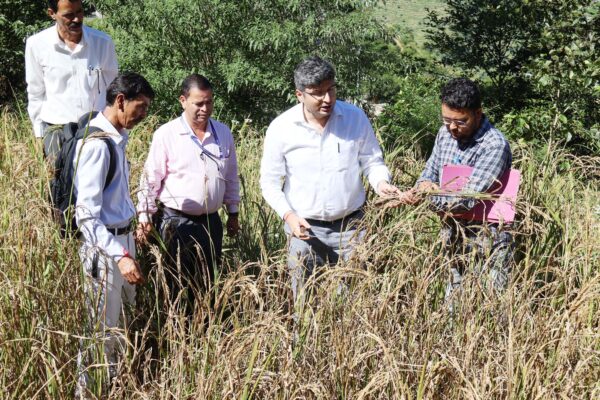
<point>540,57</point>
<point>566,72</point>
<point>394,60</point>
<point>413,119</point>
<point>17,22</point>
<point>248,49</point>
<point>493,37</point>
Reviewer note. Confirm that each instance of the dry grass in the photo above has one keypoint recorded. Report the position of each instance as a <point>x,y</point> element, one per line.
<point>388,337</point>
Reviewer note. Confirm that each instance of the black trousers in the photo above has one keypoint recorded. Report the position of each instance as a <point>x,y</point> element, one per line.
<point>194,245</point>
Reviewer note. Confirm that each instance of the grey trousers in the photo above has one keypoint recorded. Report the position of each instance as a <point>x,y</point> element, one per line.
<point>51,145</point>
<point>484,250</point>
<point>329,243</point>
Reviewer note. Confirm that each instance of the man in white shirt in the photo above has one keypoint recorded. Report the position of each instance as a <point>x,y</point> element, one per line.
<point>192,172</point>
<point>104,212</point>
<point>320,147</point>
<point>67,68</point>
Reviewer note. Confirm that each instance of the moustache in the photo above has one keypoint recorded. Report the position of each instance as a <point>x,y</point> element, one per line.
<point>76,25</point>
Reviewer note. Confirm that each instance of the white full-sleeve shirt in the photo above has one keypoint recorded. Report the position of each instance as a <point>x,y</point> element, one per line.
<point>321,172</point>
<point>64,84</point>
<point>98,208</point>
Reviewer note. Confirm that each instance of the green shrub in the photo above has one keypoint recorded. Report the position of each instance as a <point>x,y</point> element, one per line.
<point>413,119</point>
<point>17,22</point>
<point>248,49</point>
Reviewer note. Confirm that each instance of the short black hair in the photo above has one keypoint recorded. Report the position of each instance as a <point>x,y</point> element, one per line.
<point>461,93</point>
<point>313,71</point>
<point>131,85</point>
<point>194,81</point>
<point>53,4</point>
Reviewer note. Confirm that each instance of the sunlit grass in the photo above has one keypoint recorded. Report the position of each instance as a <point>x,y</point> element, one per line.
<point>389,337</point>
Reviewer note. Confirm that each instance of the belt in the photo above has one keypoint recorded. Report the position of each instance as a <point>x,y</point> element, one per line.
<point>121,231</point>
<point>168,211</point>
<point>337,221</point>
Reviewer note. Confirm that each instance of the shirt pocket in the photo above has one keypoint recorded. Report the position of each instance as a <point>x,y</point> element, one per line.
<point>347,155</point>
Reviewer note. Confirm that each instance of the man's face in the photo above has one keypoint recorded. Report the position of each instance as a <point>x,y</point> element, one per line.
<point>318,101</point>
<point>69,19</point>
<point>197,106</point>
<point>132,112</point>
<point>462,123</point>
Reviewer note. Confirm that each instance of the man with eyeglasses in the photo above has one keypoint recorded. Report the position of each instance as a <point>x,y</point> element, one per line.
<point>67,68</point>
<point>320,147</point>
<point>190,173</point>
<point>467,138</point>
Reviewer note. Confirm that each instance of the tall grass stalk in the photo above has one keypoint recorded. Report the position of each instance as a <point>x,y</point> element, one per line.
<point>389,336</point>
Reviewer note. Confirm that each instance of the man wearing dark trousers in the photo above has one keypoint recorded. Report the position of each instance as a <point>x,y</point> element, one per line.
<point>190,173</point>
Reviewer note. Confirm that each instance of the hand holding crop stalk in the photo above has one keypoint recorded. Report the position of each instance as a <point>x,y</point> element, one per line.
<point>298,225</point>
<point>131,271</point>
<point>142,232</point>
<point>233,225</point>
<point>416,195</point>
<point>413,196</point>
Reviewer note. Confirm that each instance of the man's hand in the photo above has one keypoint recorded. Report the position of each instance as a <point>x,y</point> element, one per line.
<point>233,225</point>
<point>385,189</point>
<point>427,186</point>
<point>130,269</point>
<point>142,232</point>
<point>298,225</point>
<point>415,195</point>
<point>410,197</point>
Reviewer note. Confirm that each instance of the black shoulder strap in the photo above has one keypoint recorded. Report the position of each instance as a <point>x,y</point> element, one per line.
<point>112,168</point>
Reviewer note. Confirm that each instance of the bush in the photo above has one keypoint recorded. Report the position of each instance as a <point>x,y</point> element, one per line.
<point>17,22</point>
<point>540,57</point>
<point>248,49</point>
<point>413,119</point>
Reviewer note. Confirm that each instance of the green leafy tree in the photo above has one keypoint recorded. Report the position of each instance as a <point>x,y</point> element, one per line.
<point>18,20</point>
<point>541,58</point>
<point>248,48</point>
<point>493,38</point>
<point>566,72</point>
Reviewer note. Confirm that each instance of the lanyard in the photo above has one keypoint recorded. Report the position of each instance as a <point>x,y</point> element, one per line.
<point>203,149</point>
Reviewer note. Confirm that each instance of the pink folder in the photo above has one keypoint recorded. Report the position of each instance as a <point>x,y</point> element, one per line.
<point>455,177</point>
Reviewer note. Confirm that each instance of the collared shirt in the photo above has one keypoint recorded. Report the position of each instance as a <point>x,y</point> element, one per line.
<point>186,176</point>
<point>98,208</point>
<point>321,171</point>
<point>64,84</point>
<point>487,151</point>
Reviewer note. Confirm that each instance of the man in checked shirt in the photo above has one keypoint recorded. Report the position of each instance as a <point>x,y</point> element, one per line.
<point>467,138</point>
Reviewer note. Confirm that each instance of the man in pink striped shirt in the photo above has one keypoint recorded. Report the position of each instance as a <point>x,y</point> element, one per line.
<point>190,173</point>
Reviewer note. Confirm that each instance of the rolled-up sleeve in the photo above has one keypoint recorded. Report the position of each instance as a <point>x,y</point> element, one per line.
<point>36,92</point>
<point>272,170</point>
<point>91,169</point>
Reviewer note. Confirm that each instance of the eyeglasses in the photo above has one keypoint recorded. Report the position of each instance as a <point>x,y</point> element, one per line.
<point>457,122</point>
<point>320,97</point>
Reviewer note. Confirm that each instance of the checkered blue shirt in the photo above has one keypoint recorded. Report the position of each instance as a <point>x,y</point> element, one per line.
<point>487,151</point>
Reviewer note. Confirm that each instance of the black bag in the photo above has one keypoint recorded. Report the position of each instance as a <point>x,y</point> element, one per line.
<point>62,193</point>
